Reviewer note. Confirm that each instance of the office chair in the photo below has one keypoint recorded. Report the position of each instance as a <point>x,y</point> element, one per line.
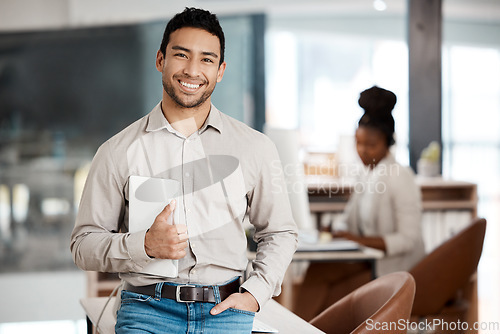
<point>386,300</point>
<point>441,275</point>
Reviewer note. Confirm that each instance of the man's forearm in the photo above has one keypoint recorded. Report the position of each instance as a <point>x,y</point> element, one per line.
<point>274,254</point>
<point>109,252</point>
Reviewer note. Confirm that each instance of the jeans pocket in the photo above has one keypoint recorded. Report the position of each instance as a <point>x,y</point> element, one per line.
<point>133,297</point>
<point>249,313</point>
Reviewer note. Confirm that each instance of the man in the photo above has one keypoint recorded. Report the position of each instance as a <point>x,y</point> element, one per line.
<point>225,171</point>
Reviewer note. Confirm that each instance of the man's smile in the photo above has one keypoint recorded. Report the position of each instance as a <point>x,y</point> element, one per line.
<point>190,86</point>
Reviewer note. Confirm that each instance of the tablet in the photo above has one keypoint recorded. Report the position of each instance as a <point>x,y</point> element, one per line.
<point>148,196</point>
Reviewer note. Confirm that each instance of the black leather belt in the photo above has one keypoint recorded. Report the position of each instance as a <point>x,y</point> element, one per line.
<point>186,293</point>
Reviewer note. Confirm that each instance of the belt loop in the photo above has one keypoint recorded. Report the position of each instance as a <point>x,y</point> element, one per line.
<point>215,288</point>
<point>158,288</point>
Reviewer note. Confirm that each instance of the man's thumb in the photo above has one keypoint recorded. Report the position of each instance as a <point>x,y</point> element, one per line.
<point>167,212</point>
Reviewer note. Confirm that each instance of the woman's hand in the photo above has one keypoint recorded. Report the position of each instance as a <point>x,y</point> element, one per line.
<point>372,242</point>
<point>345,235</point>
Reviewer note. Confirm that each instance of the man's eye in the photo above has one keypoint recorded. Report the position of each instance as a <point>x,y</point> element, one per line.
<point>208,60</point>
<point>182,55</point>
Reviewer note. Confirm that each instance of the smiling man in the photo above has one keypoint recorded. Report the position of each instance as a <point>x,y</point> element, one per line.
<point>225,171</point>
<point>191,64</point>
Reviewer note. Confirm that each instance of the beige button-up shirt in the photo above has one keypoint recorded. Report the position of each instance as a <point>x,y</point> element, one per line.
<point>226,170</point>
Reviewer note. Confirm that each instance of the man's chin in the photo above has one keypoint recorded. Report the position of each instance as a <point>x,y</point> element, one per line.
<point>186,103</point>
<point>189,104</point>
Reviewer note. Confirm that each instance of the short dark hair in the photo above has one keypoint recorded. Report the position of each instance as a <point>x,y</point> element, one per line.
<point>194,18</point>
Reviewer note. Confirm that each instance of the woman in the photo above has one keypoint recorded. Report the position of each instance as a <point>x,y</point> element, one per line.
<point>383,212</point>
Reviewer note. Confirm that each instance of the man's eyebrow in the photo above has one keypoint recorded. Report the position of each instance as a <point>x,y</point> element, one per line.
<point>212,54</point>
<point>205,53</point>
<point>178,47</point>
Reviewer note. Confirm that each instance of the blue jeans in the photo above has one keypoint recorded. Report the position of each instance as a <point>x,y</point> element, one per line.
<point>146,314</point>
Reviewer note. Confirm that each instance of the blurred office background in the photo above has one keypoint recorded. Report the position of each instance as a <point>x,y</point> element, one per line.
<point>74,72</point>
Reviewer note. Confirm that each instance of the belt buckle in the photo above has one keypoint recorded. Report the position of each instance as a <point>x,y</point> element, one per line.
<point>178,293</point>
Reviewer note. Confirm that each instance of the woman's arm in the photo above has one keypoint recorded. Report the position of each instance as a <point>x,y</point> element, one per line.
<point>372,242</point>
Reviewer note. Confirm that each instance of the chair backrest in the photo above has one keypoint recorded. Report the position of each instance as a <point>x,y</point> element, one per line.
<point>376,307</point>
<point>439,275</point>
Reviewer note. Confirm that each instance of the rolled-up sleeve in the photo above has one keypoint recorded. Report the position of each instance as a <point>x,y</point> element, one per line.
<point>95,242</point>
<point>276,231</point>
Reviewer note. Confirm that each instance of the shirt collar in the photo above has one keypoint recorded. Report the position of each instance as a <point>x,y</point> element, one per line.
<point>157,121</point>
<point>381,167</point>
<point>213,120</point>
<point>387,160</point>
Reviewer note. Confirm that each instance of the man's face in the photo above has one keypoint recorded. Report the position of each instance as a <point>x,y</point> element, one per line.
<point>190,68</point>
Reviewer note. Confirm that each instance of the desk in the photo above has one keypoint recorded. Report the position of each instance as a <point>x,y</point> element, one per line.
<point>365,254</point>
<point>272,314</point>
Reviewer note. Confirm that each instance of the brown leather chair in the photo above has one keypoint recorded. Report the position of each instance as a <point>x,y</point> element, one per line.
<point>386,300</point>
<point>441,275</point>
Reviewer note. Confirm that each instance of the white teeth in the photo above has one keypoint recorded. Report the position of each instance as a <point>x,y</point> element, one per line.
<point>188,85</point>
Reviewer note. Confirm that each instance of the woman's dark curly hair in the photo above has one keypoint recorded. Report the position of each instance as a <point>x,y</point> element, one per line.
<point>195,18</point>
<point>378,104</point>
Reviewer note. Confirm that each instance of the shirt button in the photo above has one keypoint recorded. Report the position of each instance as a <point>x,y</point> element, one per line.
<point>193,246</point>
<point>193,271</point>
<point>187,174</point>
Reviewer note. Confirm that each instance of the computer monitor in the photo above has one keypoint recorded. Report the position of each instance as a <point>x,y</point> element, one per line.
<point>288,146</point>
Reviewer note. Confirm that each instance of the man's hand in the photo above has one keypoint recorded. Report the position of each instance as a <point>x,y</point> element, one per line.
<point>164,240</point>
<point>241,301</point>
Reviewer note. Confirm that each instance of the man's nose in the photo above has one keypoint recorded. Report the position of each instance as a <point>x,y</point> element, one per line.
<point>192,68</point>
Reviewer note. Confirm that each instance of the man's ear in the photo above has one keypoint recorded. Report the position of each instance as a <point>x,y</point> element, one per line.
<point>220,72</point>
<point>160,59</point>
